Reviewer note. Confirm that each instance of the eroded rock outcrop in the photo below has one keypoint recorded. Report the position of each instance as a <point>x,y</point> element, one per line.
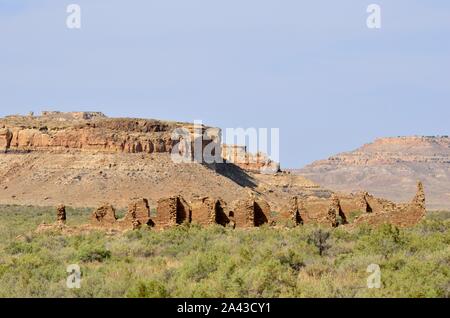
<point>5,139</point>
<point>91,131</point>
<point>258,162</point>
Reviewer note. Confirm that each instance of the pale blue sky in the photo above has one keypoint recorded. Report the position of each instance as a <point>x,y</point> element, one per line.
<point>311,68</point>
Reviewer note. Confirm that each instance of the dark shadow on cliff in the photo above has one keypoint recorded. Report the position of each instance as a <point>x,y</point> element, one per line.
<point>234,173</point>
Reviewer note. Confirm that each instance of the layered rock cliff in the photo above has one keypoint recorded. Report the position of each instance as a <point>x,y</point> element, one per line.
<point>87,131</point>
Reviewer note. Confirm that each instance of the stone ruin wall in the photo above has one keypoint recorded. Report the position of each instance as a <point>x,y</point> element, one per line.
<point>172,211</point>
<point>207,211</point>
<point>361,208</point>
<point>254,212</point>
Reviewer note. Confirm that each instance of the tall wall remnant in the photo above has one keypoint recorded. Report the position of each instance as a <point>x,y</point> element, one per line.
<point>419,198</point>
<point>138,215</point>
<point>138,212</point>
<point>251,212</point>
<point>207,211</point>
<point>61,214</point>
<point>293,211</point>
<point>334,212</point>
<point>172,211</point>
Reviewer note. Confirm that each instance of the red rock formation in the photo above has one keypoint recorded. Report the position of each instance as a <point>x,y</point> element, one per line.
<point>5,139</point>
<point>90,132</point>
<point>259,162</point>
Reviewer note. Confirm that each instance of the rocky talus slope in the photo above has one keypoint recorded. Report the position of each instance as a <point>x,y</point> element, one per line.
<point>390,168</point>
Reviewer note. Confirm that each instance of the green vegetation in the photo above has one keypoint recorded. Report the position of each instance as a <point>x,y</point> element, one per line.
<point>190,261</point>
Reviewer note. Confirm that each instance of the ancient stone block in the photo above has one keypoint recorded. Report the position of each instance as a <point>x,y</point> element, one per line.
<point>262,212</point>
<point>293,211</point>
<point>104,215</point>
<point>334,212</point>
<point>251,212</point>
<point>172,211</point>
<point>207,211</point>
<point>138,212</point>
<point>244,213</point>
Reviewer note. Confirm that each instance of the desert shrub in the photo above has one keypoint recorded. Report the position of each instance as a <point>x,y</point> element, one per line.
<point>433,226</point>
<point>150,289</point>
<point>438,215</point>
<point>199,265</point>
<point>384,240</point>
<point>319,238</point>
<point>292,259</point>
<point>353,215</point>
<point>93,253</point>
<point>18,247</point>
